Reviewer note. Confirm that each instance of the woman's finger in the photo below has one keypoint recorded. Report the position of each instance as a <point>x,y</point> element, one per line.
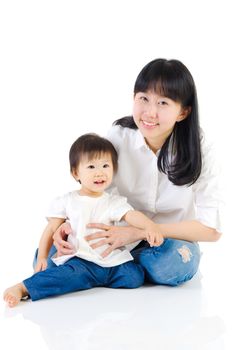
<point>98,234</point>
<point>99,226</point>
<point>107,251</point>
<point>61,242</point>
<point>64,248</point>
<point>99,243</point>
<point>65,251</point>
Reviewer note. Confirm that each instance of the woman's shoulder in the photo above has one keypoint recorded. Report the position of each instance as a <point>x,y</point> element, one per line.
<point>118,134</point>
<point>211,166</point>
<point>208,145</point>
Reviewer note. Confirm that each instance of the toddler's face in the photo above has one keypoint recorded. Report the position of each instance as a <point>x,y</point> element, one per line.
<point>95,175</point>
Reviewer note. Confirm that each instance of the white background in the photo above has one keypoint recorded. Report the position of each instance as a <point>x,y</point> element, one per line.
<point>68,67</point>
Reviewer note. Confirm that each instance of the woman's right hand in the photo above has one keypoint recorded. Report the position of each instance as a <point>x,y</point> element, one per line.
<point>60,240</point>
<point>115,236</point>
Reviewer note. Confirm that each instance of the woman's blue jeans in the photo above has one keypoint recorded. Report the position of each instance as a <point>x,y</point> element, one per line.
<point>172,263</point>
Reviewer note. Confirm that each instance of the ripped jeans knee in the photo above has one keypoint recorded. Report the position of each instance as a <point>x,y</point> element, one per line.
<point>172,263</point>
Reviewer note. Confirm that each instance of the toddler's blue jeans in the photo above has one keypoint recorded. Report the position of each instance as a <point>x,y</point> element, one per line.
<point>78,274</point>
<point>172,263</point>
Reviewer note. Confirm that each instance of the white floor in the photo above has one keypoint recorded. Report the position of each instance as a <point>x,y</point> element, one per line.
<point>194,316</point>
<point>52,55</point>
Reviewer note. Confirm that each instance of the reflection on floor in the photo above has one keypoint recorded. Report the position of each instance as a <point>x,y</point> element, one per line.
<point>151,317</point>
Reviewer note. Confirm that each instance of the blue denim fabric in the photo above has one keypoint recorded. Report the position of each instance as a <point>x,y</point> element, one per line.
<point>165,265</point>
<point>78,274</point>
<point>172,263</point>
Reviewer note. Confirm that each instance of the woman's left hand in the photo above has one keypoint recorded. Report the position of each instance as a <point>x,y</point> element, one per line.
<point>115,236</point>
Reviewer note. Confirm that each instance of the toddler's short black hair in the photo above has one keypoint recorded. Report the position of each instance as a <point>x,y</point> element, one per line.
<point>91,146</point>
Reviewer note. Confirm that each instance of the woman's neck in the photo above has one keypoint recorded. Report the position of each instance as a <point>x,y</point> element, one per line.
<point>155,144</point>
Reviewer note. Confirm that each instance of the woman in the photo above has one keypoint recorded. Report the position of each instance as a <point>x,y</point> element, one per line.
<point>166,171</point>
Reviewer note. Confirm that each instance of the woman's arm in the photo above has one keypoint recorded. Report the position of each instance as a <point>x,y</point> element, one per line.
<point>118,236</point>
<point>192,231</point>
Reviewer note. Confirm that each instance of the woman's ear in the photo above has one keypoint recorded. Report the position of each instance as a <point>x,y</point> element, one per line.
<point>184,113</point>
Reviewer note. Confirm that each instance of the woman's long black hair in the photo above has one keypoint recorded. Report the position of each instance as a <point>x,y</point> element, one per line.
<point>170,78</point>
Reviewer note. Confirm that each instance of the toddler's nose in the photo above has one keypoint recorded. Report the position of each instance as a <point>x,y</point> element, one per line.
<point>99,172</point>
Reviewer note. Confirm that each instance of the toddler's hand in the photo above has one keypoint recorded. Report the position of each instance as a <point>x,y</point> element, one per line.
<point>41,265</point>
<point>154,238</point>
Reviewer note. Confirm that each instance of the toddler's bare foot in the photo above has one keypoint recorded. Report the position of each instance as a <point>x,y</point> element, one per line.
<point>14,294</point>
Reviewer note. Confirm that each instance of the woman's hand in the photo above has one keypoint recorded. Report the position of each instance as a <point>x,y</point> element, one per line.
<point>115,236</point>
<point>60,240</point>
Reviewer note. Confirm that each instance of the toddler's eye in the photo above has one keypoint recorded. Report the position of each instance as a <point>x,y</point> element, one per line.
<point>91,166</point>
<point>162,103</point>
<point>106,166</point>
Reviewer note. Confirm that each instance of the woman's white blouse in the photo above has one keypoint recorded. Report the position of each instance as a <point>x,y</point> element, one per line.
<point>150,191</point>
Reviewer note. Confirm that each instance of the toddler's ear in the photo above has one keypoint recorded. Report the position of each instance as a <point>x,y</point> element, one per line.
<point>74,173</point>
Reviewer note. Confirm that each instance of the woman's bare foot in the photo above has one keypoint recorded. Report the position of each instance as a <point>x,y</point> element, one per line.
<point>14,294</point>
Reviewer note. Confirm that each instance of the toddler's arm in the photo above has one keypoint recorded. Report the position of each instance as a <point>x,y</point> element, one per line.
<point>151,230</point>
<point>46,241</point>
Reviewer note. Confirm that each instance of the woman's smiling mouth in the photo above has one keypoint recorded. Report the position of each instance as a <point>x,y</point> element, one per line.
<point>149,125</point>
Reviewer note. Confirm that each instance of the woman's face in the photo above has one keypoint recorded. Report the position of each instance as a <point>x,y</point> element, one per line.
<point>156,115</point>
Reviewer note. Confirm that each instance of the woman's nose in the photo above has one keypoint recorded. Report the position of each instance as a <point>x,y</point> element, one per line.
<point>151,110</point>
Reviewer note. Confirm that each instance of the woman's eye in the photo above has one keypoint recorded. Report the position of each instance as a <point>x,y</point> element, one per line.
<point>143,98</point>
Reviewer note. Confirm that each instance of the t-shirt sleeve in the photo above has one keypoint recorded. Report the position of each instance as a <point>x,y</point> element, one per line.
<point>118,207</point>
<point>207,192</point>
<point>57,208</point>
